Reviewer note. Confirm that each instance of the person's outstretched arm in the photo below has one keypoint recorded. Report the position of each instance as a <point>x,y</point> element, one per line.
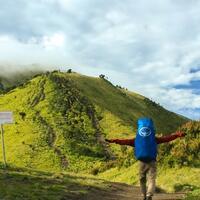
<point>169,138</point>
<point>129,142</point>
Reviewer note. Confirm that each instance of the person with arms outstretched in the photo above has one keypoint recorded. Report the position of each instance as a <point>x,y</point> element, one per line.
<point>145,145</point>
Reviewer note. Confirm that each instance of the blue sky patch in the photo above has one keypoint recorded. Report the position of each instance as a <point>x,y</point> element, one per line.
<point>194,85</point>
<point>191,113</point>
<point>194,70</point>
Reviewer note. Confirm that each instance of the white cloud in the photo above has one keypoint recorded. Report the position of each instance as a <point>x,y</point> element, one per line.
<point>152,45</point>
<point>54,41</point>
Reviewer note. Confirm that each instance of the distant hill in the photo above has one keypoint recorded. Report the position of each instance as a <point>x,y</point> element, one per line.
<point>62,120</point>
<point>11,80</point>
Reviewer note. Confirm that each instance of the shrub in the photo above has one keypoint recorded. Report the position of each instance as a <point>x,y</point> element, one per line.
<point>23,115</point>
<point>102,76</point>
<point>69,71</point>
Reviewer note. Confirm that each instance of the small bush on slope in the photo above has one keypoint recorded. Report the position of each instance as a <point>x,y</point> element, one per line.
<point>185,151</point>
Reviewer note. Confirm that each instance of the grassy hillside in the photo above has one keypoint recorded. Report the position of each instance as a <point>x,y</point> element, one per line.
<point>61,121</point>
<point>49,128</point>
<point>53,126</point>
<point>124,105</point>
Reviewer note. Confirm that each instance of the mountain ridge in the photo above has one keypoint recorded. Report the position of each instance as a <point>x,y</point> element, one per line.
<point>64,117</point>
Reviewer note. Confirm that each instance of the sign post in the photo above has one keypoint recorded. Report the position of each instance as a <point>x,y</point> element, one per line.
<point>3,146</point>
<point>5,118</point>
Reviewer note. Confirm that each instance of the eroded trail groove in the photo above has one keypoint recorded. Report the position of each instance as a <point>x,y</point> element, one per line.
<point>120,191</point>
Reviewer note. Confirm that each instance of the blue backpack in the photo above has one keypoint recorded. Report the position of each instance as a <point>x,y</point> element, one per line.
<point>145,141</point>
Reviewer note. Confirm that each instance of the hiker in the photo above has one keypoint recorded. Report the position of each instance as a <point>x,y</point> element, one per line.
<point>145,145</point>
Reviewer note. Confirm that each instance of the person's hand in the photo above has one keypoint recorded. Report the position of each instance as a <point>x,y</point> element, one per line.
<point>180,134</point>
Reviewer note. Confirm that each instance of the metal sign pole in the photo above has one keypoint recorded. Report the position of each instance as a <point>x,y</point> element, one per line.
<point>3,145</point>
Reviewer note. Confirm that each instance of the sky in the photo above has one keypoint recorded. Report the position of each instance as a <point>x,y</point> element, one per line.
<point>151,47</point>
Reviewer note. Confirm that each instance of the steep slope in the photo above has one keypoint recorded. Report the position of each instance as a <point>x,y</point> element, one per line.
<point>61,120</point>
<point>54,125</point>
<point>124,105</point>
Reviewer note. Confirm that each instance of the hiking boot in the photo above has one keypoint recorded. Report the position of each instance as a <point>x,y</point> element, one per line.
<point>148,198</point>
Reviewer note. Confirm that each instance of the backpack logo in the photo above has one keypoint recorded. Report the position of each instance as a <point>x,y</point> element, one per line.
<point>145,131</point>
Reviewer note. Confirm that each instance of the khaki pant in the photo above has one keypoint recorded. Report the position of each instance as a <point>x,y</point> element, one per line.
<point>147,178</point>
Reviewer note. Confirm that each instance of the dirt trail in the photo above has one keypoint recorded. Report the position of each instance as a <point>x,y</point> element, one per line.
<point>120,191</point>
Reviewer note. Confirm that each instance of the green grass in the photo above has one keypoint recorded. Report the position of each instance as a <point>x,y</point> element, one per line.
<point>25,139</point>
<point>179,179</point>
<point>169,179</point>
<point>29,184</point>
<point>126,175</point>
<point>194,195</point>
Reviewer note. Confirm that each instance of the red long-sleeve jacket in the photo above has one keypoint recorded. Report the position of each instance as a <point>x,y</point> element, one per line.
<point>159,140</point>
